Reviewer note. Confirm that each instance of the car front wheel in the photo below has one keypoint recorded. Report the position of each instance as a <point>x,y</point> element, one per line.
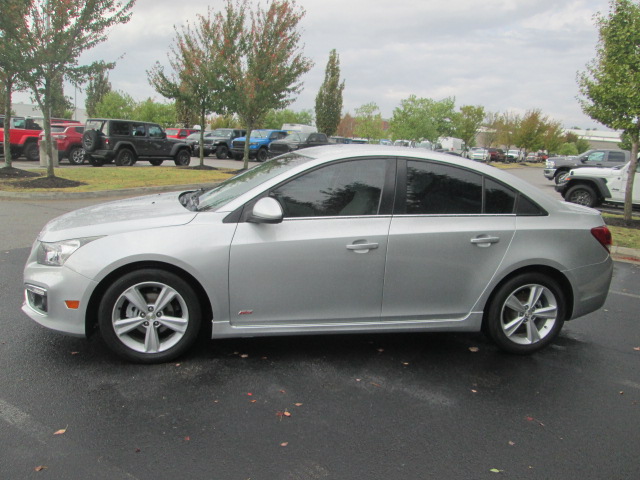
<point>262,155</point>
<point>526,313</point>
<point>561,177</point>
<point>183,158</point>
<point>222,152</point>
<point>149,316</point>
<point>582,195</point>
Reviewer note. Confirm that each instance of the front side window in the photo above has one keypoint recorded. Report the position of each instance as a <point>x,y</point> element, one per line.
<point>596,157</point>
<point>155,131</point>
<point>138,130</point>
<point>341,189</point>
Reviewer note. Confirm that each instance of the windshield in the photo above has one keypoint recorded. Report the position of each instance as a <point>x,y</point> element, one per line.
<point>259,134</point>
<point>296,137</point>
<point>242,183</point>
<point>173,131</point>
<point>222,132</point>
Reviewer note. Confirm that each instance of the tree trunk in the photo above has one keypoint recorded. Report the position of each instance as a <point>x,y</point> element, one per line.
<point>203,115</point>
<point>7,125</point>
<point>631,174</point>
<point>247,138</point>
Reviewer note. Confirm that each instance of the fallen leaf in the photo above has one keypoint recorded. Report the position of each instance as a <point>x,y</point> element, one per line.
<point>177,364</point>
<point>75,353</point>
<point>61,431</point>
<point>621,392</point>
<point>249,393</point>
<point>495,470</point>
<point>137,450</point>
<point>263,358</point>
<point>637,349</point>
<point>284,444</point>
<point>474,349</point>
<point>357,379</point>
<point>282,391</point>
<point>375,384</point>
<point>253,401</point>
<point>298,404</point>
<point>244,355</point>
<point>186,439</point>
<point>474,391</point>
<point>512,443</point>
<point>381,350</point>
<point>40,468</point>
<point>405,363</point>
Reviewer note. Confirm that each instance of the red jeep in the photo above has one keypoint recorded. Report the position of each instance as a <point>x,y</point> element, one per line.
<point>24,134</point>
<point>180,133</point>
<point>68,138</point>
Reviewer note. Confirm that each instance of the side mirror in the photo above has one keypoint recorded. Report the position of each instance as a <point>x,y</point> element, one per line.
<point>164,135</point>
<point>584,159</point>
<point>266,210</point>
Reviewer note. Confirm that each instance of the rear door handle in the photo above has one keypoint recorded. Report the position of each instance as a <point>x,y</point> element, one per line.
<point>484,240</point>
<point>362,247</point>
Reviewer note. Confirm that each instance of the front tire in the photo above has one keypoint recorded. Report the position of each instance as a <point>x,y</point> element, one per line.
<point>222,151</point>
<point>561,176</point>
<point>526,313</point>
<point>149,316</point>
<point>31,152</point>
<point>182,158</point>
<point>582,195</point>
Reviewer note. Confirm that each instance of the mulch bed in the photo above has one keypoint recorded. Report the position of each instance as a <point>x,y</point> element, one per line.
<point>47,182</point>
<point>619,222</point>
<point>12,172</point>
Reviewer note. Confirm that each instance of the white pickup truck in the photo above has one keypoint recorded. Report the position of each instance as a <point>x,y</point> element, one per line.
<point>594,186</point>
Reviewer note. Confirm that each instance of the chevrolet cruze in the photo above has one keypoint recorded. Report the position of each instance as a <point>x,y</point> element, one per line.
<point>341,239</point>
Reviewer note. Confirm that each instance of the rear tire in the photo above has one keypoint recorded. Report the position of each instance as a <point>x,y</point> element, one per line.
<point>526,313</point>
<point>262,155</point>
<point>182,158</point>
<point>125,158</point>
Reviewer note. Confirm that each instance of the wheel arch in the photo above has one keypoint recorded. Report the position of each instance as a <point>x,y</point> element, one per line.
<point>551,272</point>
<point>599,185</point>
<point>91,319</point>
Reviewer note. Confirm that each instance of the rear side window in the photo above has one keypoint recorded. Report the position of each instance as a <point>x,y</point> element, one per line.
<point>616,157</point>
<point>120,128</point>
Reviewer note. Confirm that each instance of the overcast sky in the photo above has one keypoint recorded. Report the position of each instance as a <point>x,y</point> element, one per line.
<point>506,55</point>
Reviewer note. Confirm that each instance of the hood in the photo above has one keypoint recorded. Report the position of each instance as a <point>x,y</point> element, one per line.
<point>595,171</point>
<point>140,213</point>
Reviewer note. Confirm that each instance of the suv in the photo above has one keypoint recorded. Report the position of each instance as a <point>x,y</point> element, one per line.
<point>258,144</point>
<point>181,133</point>
<point>557,168</point>
<point>593,186</point>
<point>68,140</point>
<point>296,141</point>
<point>127,141</point>
<point>218,141</point>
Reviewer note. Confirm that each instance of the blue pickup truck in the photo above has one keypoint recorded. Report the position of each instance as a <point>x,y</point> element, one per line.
<point>258,144</point>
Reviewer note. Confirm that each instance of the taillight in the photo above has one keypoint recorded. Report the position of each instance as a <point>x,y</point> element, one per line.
<point>603,235</point>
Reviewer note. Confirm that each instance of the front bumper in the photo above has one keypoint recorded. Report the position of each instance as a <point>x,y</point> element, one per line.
<point>47,288</point>
<point>550,173</point>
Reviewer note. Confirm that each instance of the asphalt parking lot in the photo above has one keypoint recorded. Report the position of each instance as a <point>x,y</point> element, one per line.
<point>405,406</point>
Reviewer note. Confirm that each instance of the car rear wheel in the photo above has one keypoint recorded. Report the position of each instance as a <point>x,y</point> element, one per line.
<point>526,313</point>
<point>582,195</point>
<point>76,156</point>
<point>222,151</point>
<point>182,158</point>
<point>149,316</point>
<point>125,158</point>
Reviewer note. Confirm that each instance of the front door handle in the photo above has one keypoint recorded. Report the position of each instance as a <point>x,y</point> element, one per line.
<point>362,247</point>
<point>484,240</point>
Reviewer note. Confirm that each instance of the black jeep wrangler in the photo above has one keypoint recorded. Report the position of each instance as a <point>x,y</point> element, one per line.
<point>127,141</point>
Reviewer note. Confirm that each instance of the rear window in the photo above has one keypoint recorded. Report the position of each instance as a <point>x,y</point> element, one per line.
<point>616,157</point>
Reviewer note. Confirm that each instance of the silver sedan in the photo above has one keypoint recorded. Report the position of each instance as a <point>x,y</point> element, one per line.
<point>342,238</point>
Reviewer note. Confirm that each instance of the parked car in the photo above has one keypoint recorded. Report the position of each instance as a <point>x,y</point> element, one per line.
<point>258,144</point>
<point>296,141</point>
<point>68,138</point>
<point>181,133</point>
<point>557,168</point>
<point>218,141</point>
<point>496,155</point>
<point>339,239</point>
<point>514,155</point>
<point>480,154</point>
<point>592,187</point>
<point>127,141</point>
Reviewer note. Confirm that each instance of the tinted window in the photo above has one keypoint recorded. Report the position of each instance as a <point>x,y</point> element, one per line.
<point>155,131</point>
<point>119,128</point>
<point>498,198</point>
<point>616,157</point>
<point>441,189</point>
<point>527,207</point>
<point>138,130</point>
<point>347,188</point>
<point>79,129</point>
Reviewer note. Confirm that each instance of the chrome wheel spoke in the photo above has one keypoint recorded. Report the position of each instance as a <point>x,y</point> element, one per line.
<point>166,295</point>
<point>126,325</point>
<point>533,335</point>
<point>549,312</point>
<point>151,340</point>
<point>511,327</point>
<point>514,304</point>
<point>534,294</point>
<point>177,324</point>
<point>136,298</point>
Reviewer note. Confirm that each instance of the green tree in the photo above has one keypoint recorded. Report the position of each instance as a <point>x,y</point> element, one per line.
<point>116,105</point>
<point>329,98</point>
<point>553,136</point>
<point>264,59</point>
<point>58,32</point>
<point>12,62</point>
<point>197,64</point>
<point>508,126</point>
<point>530,136</point>
<point>423,118</point>
<point>224,121</point>
<point>368,122</point>
<point>610,83</point>
<point>150,111</point>
<point>98,86</point>
<point>467,123</point>
<point>568,148</point>
<point>276,118</point>
<point>491,129</point>
<point>61,105</point>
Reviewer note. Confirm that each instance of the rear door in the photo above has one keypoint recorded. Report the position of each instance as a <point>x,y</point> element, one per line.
<point>450,230</point>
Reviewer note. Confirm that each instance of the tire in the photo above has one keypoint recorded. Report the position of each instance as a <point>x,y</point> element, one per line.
<point>90,140</point>
<point>222,151</point>
<point>31,152</point>
<point>149,316</point>
<point>262,155</point>
<point>561,176</point>
<point>125,158</point>
<point>582,195</point>
<point>182,158</point>
<point>237,156</point>
<point>518,327</point>
<point>76,155</point>
<point>156,163</point>
<point>94,162</point>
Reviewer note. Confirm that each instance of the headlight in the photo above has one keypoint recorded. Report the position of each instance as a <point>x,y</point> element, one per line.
<point>57,253</point>
<point>551,164</point>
